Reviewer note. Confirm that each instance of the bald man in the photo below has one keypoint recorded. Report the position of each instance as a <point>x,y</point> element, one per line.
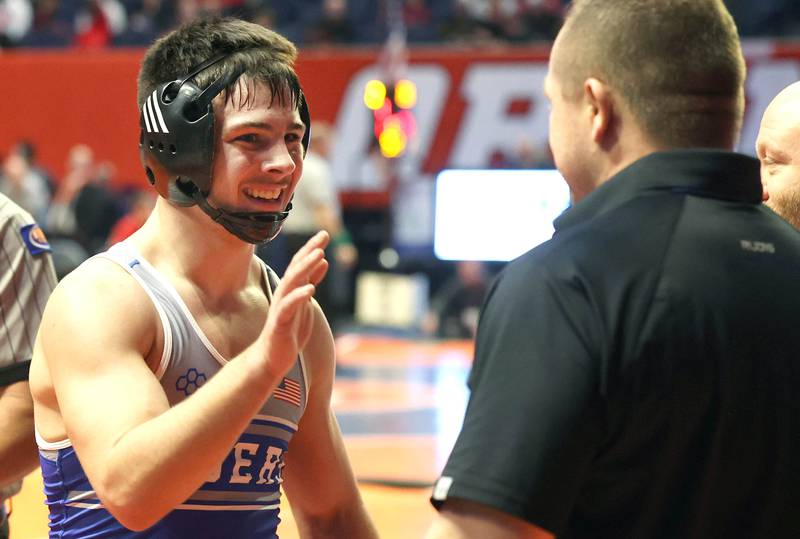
<point>778,148</point>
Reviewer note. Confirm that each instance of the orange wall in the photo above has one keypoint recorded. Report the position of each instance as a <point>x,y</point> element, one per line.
<point>61,98</point>
<point>58,99</point>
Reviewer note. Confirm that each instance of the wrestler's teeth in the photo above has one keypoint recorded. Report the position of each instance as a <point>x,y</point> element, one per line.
<point>265,194</point>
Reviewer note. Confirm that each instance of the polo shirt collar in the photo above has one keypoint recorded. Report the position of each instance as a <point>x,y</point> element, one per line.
<point>709,173</point>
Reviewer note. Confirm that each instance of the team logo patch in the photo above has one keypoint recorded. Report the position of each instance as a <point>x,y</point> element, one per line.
<point>190,382</point>
<point>34,239</point>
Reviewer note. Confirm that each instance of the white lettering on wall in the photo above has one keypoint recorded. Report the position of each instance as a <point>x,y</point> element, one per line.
<point>489,89</point>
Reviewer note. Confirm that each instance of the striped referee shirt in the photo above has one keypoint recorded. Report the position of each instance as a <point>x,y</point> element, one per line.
<point>27,277</point>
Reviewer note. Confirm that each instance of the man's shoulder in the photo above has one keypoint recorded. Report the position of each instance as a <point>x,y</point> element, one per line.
<point>98,302</point>
<point>100,282</point>
<point>625,243</point>
<point>318,353</point>
<point>638,224</point>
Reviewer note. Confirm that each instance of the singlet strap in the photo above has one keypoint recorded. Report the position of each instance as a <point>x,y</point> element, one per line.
<point>126,257</point>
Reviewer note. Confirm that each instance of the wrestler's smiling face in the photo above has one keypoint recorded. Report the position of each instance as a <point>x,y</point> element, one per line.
<point>259,153</point>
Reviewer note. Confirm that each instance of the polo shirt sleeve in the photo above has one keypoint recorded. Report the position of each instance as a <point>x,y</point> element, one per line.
<point>534,419</point>
<point>26,280</point>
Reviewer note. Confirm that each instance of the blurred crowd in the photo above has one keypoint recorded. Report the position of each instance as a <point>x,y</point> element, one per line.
<point>81,213</point>
<point>106,23</point>
<point>119,23</point>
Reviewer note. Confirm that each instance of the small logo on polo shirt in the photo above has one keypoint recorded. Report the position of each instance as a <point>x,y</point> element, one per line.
<point>757,246</point>
<point>442,488</point>
<point>34,239</point>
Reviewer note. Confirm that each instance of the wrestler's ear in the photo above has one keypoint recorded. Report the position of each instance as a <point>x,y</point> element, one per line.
<point>600,107</point>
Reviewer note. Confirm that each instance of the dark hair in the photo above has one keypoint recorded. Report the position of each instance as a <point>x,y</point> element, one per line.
<point>676,64</point>
<point>257,53</point>
<point>27,150</point>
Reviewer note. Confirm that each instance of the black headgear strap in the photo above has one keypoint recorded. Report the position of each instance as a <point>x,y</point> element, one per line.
<point>249,226</point>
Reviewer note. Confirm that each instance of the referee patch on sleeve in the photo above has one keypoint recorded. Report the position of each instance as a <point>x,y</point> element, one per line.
<point>34,239</point>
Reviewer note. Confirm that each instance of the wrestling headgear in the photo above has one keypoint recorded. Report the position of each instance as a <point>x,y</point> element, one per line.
<point>176,147</point>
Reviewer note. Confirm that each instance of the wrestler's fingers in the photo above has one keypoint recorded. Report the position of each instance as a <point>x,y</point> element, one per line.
<point>317,241</point>
<point>299,271</point>
<point>284,314</point>
<point>318,272</point>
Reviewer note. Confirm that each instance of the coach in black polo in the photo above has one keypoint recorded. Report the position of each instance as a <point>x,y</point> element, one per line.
<point>638,376</point>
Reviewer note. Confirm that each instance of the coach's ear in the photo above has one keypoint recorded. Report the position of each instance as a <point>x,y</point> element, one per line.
<point>601,107</point>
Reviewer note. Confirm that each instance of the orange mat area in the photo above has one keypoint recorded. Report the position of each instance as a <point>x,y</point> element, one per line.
<point>354,349</point>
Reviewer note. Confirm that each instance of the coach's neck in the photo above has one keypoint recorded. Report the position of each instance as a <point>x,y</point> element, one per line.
<point>617,138</point>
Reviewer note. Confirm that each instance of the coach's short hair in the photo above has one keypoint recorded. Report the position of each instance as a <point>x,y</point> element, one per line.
<point>677,65</point>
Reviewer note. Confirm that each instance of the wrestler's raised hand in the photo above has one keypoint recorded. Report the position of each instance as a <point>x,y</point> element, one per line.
<point>290,316</point>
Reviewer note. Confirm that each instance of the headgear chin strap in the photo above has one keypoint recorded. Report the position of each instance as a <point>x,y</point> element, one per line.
<point>250,226</point>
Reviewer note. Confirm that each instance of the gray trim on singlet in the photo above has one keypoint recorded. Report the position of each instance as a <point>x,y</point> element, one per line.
<point>117,256</point>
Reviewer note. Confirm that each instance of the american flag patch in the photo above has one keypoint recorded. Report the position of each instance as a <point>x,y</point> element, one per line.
<point>288,390</point>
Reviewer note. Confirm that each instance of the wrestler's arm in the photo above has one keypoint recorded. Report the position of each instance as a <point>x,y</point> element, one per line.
<point>143,457</point>
<point>318,479</point>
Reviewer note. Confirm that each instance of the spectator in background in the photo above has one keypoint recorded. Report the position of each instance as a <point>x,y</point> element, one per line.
<point>542,18</point>
<point>419,20</point>
<point>188,10</point>
<point>98,21</point>
<point>20,182</point>
<point>61,214</point>
<point>53,26</point>
<point>26,280</point>
<point>147,19</point>
<point>454,309</point>
<point>777,18</point>
<point>27,150</point>
<point>778,149</point>
<point>516,20</point>
<point>96,208</point>
<point>61,224</point>
<point>462,26</point>
<point>141,206</point>
<point>16,17</point>
<point>527,155</point>
<point>316,207</point>
<point>332,25</point>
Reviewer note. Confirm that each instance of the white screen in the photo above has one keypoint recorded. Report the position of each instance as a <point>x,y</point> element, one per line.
<point>495,214</point>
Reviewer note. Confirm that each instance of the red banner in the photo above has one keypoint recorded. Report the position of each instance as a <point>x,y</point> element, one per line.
<point>472,104</point>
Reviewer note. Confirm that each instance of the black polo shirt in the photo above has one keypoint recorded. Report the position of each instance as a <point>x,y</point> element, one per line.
<point>639,374</point>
